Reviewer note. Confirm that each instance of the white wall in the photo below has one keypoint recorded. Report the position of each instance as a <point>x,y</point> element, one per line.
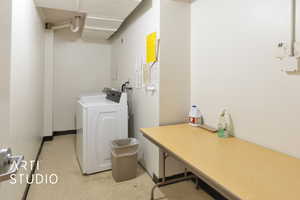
<point>174,61</point>
<point>5,38</point>
<point>79,67</point>
<point>233,65</point>
<point>144,106</point>
<point>26,86</point>
<point>174,103</point>
<point>48,83</point>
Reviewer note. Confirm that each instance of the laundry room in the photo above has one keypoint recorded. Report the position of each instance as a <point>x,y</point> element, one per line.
<point>149,99</point>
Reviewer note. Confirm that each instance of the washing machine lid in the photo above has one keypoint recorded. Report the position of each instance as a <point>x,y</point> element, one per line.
<point>92,96</point>
<point>97,101</point>
<point>110,97</point>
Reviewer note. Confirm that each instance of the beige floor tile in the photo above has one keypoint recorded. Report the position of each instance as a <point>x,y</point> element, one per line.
<point>58,156</point>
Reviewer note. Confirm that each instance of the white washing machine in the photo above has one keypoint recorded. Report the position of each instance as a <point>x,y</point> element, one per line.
<point>99,120</point>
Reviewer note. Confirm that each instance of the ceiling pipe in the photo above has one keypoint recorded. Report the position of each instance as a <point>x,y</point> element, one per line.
<point>74,25</point>
<point>61,26</point>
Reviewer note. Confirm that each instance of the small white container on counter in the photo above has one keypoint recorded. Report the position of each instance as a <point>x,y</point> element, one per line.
<point>195,116</point>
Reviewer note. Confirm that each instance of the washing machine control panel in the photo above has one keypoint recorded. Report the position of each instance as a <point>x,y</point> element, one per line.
<point>113,95</point>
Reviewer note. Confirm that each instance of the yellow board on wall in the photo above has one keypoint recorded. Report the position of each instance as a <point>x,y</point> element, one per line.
<point>151,48</point>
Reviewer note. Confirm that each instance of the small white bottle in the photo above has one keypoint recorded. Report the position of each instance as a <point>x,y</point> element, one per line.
<point>195,116</point>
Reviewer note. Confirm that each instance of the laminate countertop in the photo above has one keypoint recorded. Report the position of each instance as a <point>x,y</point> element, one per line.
<point>244,169</point>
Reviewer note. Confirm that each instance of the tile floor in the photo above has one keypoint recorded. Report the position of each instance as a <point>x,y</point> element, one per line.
<point>58,156</point>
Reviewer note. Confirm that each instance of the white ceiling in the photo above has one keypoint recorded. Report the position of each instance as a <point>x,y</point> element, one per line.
<point>106,23</point>
<point>56,16</point>
<point>116,9</point>
<point>70,5</point>
<point>103,17</point>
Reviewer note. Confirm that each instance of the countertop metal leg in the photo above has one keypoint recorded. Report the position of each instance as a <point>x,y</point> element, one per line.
<point>164,182</point>
<point>197,183</point>
<point>165,155</point>
<point>185,178</point>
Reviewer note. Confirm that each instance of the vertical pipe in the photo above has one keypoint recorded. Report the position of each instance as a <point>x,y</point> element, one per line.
<point>164,167</point>
<point>185,172</point>
<point>75,25</point>
<point>293,27</point>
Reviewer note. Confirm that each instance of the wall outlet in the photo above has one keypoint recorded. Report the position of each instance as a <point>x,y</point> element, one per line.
<point>290,64</point>
<point>283,54</point>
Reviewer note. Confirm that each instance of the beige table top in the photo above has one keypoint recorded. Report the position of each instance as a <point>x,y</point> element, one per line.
<point>244,169</point>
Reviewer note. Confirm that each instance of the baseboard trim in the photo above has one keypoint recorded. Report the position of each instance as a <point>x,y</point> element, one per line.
<point>47,138</point>
<point>60,133</point>
<point>210,190</point>
<point>204,186</point>
<point>25,194</point>
<point>158,180</point>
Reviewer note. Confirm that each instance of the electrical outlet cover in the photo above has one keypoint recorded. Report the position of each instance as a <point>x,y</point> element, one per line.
<point>290,64</point>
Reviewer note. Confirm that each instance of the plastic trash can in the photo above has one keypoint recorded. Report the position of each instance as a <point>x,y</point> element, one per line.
<point>124,159</point>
